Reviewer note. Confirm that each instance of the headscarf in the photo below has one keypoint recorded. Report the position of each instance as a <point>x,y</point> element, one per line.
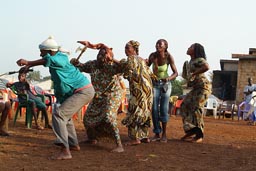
<point>135,45</point>
<point>49,44</point>
<point>52,45</point>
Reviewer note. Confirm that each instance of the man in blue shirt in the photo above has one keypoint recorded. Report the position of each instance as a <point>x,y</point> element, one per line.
<point>72,90</point>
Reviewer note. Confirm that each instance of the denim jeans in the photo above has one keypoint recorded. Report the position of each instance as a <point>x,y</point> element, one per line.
<point>160,105</point>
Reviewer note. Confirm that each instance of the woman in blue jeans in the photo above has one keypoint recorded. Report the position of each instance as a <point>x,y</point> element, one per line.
<point>161,59</point>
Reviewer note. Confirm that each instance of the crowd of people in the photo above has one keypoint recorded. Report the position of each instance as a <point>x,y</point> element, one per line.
<point>149,94</point>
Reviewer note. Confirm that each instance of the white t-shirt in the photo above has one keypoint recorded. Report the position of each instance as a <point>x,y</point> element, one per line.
<point>248,88</point>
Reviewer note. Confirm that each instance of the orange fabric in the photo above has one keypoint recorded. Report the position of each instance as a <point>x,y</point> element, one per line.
<point>122,106</point>
<point>177,106</point>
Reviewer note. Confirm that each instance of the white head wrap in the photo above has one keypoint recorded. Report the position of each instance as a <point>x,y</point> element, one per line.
<point>49,44</point>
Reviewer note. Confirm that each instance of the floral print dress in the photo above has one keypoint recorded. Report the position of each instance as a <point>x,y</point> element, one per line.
<point>100,117</point>
<point>192,105</point>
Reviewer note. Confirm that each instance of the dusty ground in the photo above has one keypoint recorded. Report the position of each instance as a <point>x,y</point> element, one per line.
<point>228,145</point>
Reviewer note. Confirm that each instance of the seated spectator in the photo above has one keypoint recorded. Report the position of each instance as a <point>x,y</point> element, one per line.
<point>5,108</point>
<point>23,87</point>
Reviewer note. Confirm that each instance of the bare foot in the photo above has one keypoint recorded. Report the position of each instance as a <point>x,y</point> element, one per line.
<point>163,139</point>
<point>133,142</point>
<point>145,140</point>
<point>118,149</point>
<point>39,127</point>
<point>75,148</point>
<point>156,138</point>
<point>197,140</point>
<point>4,133</point>
<point>187,137</point>
<point>64,154</point>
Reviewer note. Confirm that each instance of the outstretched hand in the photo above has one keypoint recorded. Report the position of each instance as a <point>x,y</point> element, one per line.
<point>85,43</point>
<point>21,62</point>
<point>74,61</point>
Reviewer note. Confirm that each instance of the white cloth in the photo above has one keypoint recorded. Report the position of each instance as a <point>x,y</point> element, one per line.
<point>49,44</point>
<point>248,88</point>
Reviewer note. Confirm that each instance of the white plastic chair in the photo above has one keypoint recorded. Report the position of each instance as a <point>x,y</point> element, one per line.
<point>211,104</point>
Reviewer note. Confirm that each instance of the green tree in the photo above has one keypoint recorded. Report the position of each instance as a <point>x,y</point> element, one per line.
<point>34,76</point>
<point>177,89</point>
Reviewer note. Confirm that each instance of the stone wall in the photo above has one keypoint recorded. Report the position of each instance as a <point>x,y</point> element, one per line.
<point>246,68</point>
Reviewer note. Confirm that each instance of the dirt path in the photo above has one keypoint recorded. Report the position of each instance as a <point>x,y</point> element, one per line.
<point>228,145</point>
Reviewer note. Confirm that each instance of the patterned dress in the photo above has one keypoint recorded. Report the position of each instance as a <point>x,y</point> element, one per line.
<point>100,117</point>
<point>192,105</point>
<point>138,118</point>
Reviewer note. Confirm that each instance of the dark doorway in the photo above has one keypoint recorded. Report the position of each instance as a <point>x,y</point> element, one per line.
<point>224,84</point>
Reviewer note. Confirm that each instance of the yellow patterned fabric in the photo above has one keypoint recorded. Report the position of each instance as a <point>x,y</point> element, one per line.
<point>138,118</point>
<point>200,80</point>
<point>192,105</point>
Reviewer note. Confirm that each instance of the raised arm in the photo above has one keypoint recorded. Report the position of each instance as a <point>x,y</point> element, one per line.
<point>92,46</point>
<point>28,64</point>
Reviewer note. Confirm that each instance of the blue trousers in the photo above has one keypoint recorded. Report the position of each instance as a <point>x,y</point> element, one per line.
<point>160,105</point>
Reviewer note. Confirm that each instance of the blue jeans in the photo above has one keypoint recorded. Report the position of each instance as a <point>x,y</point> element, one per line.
<point>160,105</point>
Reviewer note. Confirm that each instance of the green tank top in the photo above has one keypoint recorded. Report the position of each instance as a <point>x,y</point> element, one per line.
<point>162,71</point>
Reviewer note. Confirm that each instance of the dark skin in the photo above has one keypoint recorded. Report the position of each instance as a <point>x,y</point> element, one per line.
<point>249,84</point>
<point>130,51</point>
<point>28,64</point>
<point>200,70</point>
<point>5,108</point>
<point>105,55</point>
<point>65,152</point>
<point>163,59</point>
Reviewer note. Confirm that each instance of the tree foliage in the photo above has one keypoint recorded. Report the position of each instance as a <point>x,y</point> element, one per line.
<point>177,89</point>
<point>34,76</point>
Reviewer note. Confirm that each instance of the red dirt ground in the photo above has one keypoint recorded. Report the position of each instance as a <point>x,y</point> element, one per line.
<point>228,145</point>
